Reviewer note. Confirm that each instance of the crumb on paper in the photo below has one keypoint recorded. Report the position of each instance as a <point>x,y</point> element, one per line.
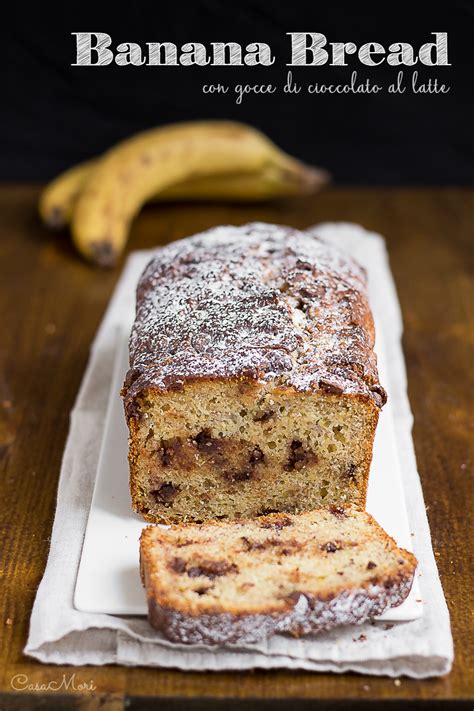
<point>9,621</point>
<point>397,682</point>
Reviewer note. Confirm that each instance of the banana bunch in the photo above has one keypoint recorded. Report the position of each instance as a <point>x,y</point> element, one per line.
<point>202,160</point>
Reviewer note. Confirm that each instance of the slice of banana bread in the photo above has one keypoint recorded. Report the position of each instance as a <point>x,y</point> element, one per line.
<point>253,383</point>
<point>242,581</point>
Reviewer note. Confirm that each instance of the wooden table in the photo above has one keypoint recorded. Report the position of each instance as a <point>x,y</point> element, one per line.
<point>51,304</point>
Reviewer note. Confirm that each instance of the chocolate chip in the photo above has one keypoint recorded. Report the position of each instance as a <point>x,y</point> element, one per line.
<point>195,572</point>
<point>266,512</point>
<point>338,511</point>
<point>242,475</point>
<point>166,493</point>
<point>206,443</point>
<point>256,456</point>
<point>350,472</point>
<point>371,565</point>
<point>169,450</point>
<point>265,416</point>
<point>166,457</point>
<point>297,456</point>
<point>177,565</point>
<point>286,547</point>
<point>331,547</point>
<point>212,569</point>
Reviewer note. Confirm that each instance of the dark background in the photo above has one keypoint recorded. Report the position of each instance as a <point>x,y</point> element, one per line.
<point>54,115</point>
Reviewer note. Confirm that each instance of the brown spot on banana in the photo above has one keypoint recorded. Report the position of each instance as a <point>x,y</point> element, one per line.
<point>103,253</point>
<point>58,198</point>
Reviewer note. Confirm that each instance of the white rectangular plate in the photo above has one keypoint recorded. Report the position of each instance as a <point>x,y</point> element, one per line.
<point>108,579</point>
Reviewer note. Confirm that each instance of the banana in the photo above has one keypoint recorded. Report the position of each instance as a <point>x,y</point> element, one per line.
<point>57,200</point>
<point>267,184</point>
<point>150,163</point>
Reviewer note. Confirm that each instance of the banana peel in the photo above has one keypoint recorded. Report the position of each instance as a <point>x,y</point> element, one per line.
<point>207,160</point>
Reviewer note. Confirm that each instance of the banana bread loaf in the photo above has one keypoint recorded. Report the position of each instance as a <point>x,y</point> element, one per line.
<point>253,383</point>
<point>241,581</point>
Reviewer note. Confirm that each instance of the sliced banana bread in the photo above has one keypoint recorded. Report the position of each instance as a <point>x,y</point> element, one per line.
<point>253,383</point>
<point>244,580</point>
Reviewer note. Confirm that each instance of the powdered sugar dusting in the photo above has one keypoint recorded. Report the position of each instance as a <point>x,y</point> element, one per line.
<point>260,301</point>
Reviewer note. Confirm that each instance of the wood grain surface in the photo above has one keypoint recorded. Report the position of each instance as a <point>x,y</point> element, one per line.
<point>51,304</point>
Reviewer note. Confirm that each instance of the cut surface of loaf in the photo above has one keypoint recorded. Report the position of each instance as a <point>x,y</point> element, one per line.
<point>242,581</point>
<point>253,383</point>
